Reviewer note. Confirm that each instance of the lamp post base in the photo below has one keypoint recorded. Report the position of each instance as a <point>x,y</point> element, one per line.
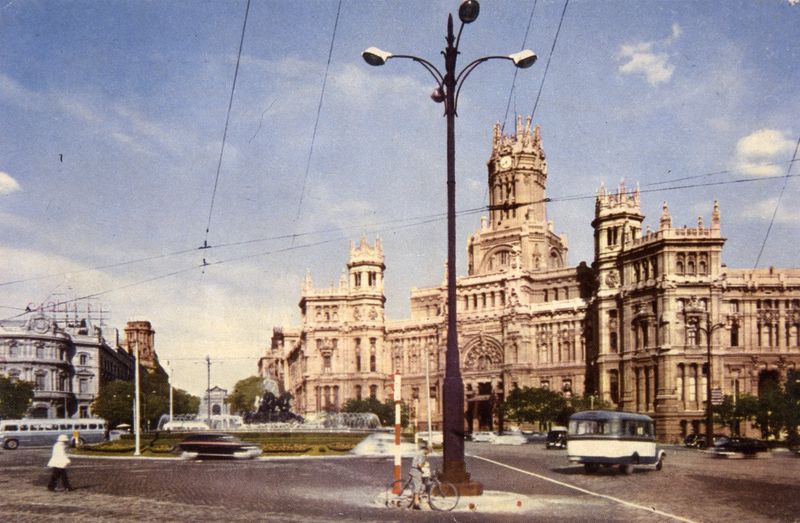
<point>455,472</point>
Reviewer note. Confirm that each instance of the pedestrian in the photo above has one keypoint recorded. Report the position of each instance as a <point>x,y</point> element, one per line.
<point>420,473</point>
<point>58,462</point>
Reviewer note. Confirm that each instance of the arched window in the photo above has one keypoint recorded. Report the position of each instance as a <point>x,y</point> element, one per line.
<point>83,359</point>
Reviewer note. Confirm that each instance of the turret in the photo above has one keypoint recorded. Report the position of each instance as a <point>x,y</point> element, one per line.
<point>365,267</point>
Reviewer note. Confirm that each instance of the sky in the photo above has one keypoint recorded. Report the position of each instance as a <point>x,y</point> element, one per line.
<point>112,118</point>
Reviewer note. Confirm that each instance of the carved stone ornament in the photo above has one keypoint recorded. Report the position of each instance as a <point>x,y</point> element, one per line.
<point>357,314</point>
<point>612,279</point>
<point>373,314</point>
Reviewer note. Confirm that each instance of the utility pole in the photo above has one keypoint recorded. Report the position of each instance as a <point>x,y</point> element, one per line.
<point>169,374</point>
<point>136,420</point>
<point>208,390</point>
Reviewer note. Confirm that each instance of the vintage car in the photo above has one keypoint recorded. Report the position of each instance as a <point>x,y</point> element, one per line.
<point>210,444</point>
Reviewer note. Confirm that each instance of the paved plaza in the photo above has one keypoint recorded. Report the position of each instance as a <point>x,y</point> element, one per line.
<point>525,483</point>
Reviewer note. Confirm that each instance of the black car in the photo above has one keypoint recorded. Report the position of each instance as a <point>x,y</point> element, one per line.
<point>209,444</point>
<point>699,441</point>
<point>556,438</point>
<point>748,446</point>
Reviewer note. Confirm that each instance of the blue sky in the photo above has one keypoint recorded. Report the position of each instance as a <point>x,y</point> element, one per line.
<point>112,116</point>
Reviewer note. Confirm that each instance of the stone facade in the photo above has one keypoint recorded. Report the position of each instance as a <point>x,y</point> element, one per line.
<point>624,329</point>
<point>68,361</point>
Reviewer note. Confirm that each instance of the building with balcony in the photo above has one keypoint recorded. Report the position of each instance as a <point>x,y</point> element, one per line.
<point>624,328</point>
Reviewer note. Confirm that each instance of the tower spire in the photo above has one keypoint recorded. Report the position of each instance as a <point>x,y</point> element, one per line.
<point>666,220</point>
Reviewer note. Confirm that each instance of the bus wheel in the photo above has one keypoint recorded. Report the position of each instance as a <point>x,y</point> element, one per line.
<point>591,468</point>
<point>11,444</point>
<point>626,469</point>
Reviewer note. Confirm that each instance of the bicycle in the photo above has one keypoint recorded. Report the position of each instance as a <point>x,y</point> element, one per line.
<point>440,495</point>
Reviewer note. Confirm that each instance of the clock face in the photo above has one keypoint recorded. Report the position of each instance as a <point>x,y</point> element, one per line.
<point>505,162</point>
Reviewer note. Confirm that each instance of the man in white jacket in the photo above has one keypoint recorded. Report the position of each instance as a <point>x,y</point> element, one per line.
<point>58,462</point>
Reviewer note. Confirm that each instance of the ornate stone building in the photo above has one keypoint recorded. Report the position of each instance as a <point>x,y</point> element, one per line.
<point>624,329</point>
<point>68,362</point>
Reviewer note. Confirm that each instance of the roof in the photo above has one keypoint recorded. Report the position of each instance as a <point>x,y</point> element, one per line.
<point>608,414</point>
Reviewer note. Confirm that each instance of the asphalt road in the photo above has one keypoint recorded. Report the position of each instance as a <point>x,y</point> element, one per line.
<point>536,485</point>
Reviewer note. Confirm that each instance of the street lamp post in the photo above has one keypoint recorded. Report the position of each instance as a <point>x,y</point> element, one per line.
<point>448,86</point>
<point>707,328</point>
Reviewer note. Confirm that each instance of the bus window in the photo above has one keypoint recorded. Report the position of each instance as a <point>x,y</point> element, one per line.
<point>92,425</point>
<point>23,427</point>
<point>11,428</point>
<point>83,426</point>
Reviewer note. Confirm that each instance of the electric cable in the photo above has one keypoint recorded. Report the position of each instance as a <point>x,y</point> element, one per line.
<point>547,66</point>
<point>316,120</point>
<point>777,204</point>
<point>227,120</point>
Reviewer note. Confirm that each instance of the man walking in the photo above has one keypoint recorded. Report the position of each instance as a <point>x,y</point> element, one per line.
<point>58,462</point>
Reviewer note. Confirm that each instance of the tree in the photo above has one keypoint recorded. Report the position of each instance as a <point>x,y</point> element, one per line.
<point>15,397</point>
<point>384,411</point>
<point>733,411</point>
<point>115,403</point>
<point>792,407</point>
<point>535,405</point>
<point>770,413</point>
<point>245,393</point>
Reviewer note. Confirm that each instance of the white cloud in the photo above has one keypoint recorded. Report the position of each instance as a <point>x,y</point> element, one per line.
<point>7,184</point>
<point>762,152</point>
<point>643,58</point>
<point>762,210</point>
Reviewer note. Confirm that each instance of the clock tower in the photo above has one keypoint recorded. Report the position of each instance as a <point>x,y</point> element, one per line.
<point>516,233</point>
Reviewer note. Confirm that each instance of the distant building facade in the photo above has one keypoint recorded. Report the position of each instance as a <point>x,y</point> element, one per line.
<point>624,328</point>
<point>68,362</point>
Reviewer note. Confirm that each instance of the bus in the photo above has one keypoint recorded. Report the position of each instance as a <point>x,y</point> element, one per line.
<point>609,438</point>
<point>36,432</point>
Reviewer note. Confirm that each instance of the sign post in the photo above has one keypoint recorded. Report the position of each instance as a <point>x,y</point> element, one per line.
<point>397,458</point>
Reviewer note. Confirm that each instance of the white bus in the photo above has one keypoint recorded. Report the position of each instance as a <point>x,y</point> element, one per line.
<point>36,432</point>
<point>608,438</point>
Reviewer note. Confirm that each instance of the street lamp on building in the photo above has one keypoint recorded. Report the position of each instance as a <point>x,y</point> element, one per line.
<point>698,317</point>
<point>448,86</point>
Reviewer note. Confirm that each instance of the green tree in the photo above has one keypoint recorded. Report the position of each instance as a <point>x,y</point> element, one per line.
<point>769,417</point>
<point>245,393</point>
<point>792,407</point>
<point>581,403</point>
<point>733,411</point>
<point>384,411</point>
<point>115,403</point>
<point>15,397</point>
<point>536,406</point>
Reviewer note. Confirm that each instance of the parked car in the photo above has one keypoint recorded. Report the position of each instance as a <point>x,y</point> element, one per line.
<point>748,446</point>
<point>210,444</point>
<point>690,440</point>
<point>510,438</point>
<point>556,438</point>
<point>483,436</point>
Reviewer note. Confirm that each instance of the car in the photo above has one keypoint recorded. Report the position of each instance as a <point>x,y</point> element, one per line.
<point>483,436</point>
<point>437,438</point>
<point>510,438</point>
<point>716,439</point>
<point>534,436</point>
<point>211,444</point>
<point>747,446</point>
<point>556,438</point>
<point>690,440</point>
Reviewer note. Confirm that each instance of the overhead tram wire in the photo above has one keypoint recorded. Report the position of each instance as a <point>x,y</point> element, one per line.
<point>413,221</point>
<point>227,120</point>
<point>516,69</point>
<point>316,121</point>
<point>547,66</point>
<point>778,203</point>
<point>432,219</point>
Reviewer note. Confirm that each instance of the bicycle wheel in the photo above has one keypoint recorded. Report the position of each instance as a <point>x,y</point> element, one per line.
<point>443,496</point>
<point>402,499</point>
